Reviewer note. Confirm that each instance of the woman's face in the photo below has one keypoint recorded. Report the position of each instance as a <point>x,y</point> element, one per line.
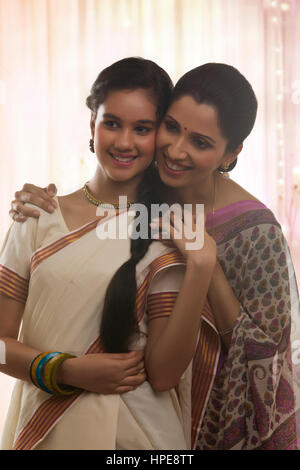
<point>124,133</point>
<point>190,145</point>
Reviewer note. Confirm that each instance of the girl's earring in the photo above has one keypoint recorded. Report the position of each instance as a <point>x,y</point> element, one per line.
<point>92,148</point>
<point>155,163</point>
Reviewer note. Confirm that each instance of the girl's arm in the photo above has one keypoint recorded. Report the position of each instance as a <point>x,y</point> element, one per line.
<point>99,373</point>
<point>172,341</point>
<point>18,356</point>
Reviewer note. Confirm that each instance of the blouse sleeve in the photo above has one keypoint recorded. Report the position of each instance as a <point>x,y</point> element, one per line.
<point>15,259</point>
<point>163,292</point>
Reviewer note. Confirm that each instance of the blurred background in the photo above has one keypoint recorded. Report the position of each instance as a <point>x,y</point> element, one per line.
<point>51,51</point>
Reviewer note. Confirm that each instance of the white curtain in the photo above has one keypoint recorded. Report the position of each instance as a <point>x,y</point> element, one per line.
<point>52,50</point>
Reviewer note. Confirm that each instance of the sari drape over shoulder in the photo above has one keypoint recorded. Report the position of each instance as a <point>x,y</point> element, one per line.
<point>61,276</point>
<point>254,402</point>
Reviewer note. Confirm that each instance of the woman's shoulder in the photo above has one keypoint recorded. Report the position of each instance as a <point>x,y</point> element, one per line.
<point>233,198</point>
<point>230,192</point>
<point>238,211</point>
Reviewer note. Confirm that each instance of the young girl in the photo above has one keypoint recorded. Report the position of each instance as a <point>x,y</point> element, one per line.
<point>54,276</point>
<point>245,389</point>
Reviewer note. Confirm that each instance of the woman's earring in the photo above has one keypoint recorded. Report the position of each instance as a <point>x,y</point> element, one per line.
<point>224,171</point>
<point>92,148</point>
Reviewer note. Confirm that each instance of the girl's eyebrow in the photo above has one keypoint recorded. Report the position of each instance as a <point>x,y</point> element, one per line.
<point>140,121</point>
<point>195,134</point>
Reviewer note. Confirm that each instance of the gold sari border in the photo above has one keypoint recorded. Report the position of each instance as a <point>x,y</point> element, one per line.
<point>13,285</point>
<point>161,304</point>
<point>44,253</point>
<point>203,375</point>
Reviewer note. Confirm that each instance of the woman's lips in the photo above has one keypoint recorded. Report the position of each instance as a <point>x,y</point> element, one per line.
<point>174,168</point>
<point>123,160</point>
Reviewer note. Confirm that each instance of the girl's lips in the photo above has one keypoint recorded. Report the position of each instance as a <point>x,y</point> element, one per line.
<point>123,160</point>
<point>172,171</point>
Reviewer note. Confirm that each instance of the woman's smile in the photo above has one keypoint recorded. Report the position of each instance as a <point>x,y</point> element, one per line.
<point>173,167</point>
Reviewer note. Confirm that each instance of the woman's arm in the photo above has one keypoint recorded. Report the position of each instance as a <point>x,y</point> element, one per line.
<point>99,373</point>
<point>40,197</point>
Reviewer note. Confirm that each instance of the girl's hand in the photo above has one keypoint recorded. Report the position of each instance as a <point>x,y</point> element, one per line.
<point>104,373</point>
<point>41,197</point>
<point>184,235</point>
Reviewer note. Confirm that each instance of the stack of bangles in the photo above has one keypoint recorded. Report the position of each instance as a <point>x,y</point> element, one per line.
<point>43,372</point>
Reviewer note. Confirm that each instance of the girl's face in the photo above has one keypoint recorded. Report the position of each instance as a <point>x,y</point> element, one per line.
<point>124,133</point>
<point>190,145</point>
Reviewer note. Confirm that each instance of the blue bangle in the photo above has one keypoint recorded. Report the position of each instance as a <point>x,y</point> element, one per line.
<point>39,368</point>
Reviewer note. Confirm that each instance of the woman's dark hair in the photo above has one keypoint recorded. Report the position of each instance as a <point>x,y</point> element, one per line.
<point>119,321</point>
<point>225,88</point>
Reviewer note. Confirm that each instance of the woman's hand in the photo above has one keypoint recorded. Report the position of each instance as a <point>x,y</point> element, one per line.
<point>41,197</point>
<point>104,373</point>
<point>185,235</point>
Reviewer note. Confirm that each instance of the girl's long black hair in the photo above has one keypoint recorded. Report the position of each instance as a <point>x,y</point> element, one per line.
<point>119,320</point>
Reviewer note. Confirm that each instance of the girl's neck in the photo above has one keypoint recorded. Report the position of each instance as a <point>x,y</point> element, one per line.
<point>108,190</point>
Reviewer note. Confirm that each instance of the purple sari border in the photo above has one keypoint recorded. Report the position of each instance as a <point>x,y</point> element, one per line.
<point>235,209</point>
<point>229,221</point>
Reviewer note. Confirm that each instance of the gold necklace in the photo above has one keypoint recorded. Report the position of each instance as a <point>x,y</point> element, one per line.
<point>104,205</point>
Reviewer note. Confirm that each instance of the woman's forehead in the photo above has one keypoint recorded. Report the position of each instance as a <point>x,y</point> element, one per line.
<point>195,117</point>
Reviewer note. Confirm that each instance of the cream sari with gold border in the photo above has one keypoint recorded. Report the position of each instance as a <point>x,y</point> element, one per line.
<point>63,277</point>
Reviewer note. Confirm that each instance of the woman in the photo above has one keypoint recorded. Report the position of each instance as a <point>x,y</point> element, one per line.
<point>54,276</point>
<point>245,385</point>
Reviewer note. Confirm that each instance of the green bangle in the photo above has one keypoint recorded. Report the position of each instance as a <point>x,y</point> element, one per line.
<point>50,373</point>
